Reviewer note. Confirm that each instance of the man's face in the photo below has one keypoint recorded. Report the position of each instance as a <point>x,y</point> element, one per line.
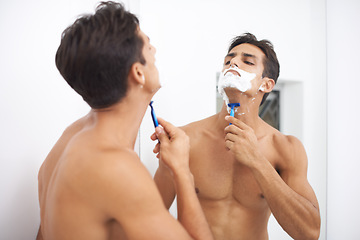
<point>248,58</point>
<point>151,71</point>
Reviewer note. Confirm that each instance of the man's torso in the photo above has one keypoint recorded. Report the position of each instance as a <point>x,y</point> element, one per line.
<point>228,192</point>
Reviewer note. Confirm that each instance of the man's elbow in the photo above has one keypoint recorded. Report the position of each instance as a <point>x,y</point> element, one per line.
<point>313,232</point>
<point>39,235</point>
<point>309,235</point>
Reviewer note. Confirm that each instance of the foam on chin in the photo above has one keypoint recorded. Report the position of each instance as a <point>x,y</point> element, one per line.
<point>230,80</point>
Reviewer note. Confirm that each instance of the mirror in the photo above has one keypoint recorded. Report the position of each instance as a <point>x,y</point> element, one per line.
<point>192,38</point>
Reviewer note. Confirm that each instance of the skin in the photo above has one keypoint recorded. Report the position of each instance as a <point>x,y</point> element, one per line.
<point>92,184</point>
<point>246,171</point>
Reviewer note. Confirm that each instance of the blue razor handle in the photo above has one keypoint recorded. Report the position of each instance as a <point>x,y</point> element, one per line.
<point>232,105</point>
<point>155,121</point>
<point>232,112</point>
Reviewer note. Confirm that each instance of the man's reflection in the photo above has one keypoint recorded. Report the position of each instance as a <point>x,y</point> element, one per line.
<point>247,170</point>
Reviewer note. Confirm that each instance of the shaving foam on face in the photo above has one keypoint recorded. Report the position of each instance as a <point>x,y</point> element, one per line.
<point>261,88</point>
<point>230,80</point>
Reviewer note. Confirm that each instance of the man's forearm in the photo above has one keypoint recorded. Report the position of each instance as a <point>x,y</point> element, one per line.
<point>297,215</point>
<point>190,213</point>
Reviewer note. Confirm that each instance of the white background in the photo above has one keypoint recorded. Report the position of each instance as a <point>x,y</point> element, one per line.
<point>191,38</point>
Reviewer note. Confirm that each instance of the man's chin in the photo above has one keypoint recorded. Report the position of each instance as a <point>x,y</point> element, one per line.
<point>154,90</point>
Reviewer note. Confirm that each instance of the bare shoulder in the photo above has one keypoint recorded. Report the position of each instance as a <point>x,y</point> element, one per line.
<point>195,128</point>
<point>65,137</point>
<point>56,152</point>
<point>288,145</point>
<point>74,128</point>
<point>288,151</point>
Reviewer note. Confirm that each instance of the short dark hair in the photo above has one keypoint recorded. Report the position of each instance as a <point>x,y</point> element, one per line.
<point>97,51</point>
<point>271,63</point>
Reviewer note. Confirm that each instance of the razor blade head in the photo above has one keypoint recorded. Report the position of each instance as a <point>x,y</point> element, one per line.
<point>232,105</point>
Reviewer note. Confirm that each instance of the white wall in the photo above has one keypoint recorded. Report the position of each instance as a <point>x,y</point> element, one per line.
<point>192,38</point>
<point>343,51</point>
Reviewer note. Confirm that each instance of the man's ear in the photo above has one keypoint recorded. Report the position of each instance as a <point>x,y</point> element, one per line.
<point>136,74</point>
<point>268,85</point>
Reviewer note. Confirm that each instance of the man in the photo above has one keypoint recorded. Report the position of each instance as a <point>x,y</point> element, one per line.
<point>245,171</point>
<point>92,184</point>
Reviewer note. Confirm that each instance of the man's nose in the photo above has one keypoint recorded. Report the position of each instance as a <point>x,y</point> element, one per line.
<point>233,64</point>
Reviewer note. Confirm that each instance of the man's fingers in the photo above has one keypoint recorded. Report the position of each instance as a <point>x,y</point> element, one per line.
<point>230,137</point>
<point>153,136</point>
<point>229,144</point>
<point>161,135</point>
<point>156,148</point>
<point>240,124</point>
<point>232,129</point>
<point>168,127</point>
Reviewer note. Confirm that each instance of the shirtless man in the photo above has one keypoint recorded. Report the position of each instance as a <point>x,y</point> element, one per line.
<point>92,184</point>
<point>245,171</point>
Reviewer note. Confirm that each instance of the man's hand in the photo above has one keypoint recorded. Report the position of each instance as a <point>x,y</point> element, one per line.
<point>173,147</point>
<point>242,141</point>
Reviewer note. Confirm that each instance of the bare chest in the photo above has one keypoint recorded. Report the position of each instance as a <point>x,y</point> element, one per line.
<point>218,176</point>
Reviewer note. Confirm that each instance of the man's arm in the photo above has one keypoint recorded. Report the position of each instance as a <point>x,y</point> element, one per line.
<point>123,190</point>
<point>164,182</point>
<point>131,198</point>
<point>290,197</point>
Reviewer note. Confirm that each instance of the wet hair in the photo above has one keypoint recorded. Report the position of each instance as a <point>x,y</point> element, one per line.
<point>270,62</point>
<point>97,51</point>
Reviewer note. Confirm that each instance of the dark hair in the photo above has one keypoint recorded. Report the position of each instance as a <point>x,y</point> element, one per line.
<point>97,51</point>
<point>271,63</point>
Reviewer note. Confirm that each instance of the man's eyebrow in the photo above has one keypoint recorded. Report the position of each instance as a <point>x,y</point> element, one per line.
<point>249,55</point>
<point>231,54</point>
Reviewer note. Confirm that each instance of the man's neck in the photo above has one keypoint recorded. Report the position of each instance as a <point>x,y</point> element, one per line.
<point>120,123</point>
<point>248,112</point>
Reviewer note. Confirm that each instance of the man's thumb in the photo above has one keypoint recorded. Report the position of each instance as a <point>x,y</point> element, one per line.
<point>160,133</point>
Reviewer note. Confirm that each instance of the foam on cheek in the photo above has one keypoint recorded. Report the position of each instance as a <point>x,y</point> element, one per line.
<point>229,80</point>
<point>261,88</point>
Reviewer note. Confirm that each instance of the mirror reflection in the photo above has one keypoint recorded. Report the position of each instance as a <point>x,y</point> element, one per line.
<point>191,50</point>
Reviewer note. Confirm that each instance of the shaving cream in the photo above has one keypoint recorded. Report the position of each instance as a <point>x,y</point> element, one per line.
<point>228,79</point>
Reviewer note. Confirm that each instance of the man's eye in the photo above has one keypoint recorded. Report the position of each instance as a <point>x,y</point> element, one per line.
<point>227,62</point>
<point>248,63</point>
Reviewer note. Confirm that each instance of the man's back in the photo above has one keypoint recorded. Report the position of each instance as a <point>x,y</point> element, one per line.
<point>65,180</point>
